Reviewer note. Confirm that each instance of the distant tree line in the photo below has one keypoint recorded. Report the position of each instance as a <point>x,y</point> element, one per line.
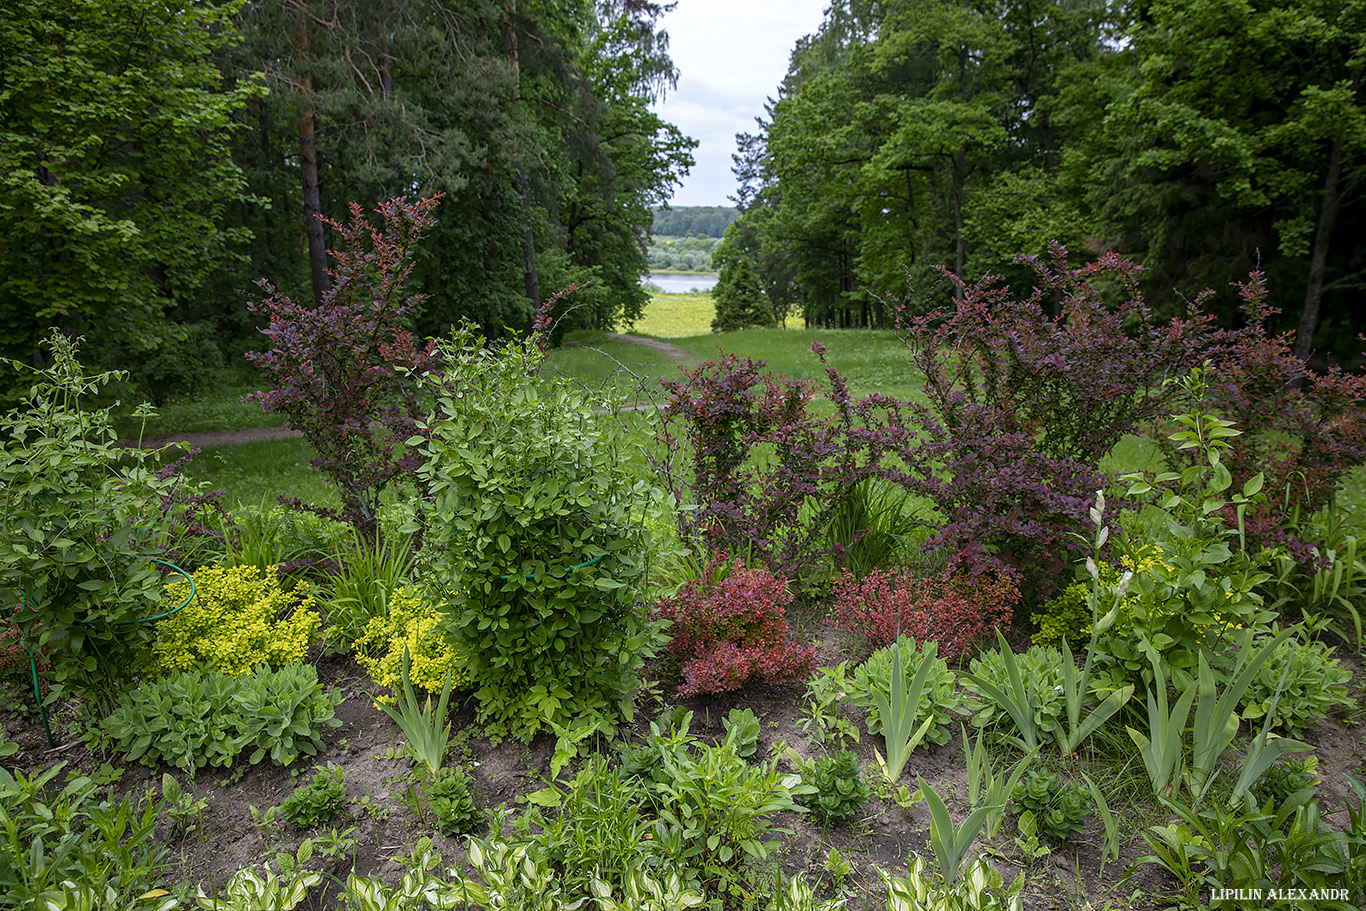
<point>688,221</point>
<point>1200,138</point>
<point>157,158</point>
<point>682,254</point>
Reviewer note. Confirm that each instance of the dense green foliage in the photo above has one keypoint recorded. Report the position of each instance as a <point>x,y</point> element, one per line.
<point>83,521</point>
<point>534,542</point>
<point>1199,137</point>
<point>116,172</point>
<point>681,254</point>
<point>155,160</point>
<point>691,221</point>
<point>197,718</point>
<point>51,835</point>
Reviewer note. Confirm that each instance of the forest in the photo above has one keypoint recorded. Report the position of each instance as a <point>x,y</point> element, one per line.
<point>158,159</point>
<point>1201,138</point>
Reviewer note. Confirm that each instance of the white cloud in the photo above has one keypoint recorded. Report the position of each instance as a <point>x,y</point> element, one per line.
<point>731,54</point>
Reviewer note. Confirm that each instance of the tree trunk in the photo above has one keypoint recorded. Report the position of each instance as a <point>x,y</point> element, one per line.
<point>957,193</point>
<point>1318,263</point>
<point>308,160</point>
<point>531,284</point>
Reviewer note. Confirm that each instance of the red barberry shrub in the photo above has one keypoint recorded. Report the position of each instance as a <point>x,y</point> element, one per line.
<point>953,608</point>
<point>727,630</point>
<point>344,372</point>
<point>763,471</point>
<point>1024,396</point>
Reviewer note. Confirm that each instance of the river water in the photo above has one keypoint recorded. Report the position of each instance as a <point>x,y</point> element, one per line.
<point>679,284</point>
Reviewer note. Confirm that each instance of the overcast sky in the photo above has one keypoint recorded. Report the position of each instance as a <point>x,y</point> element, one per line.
<point>731,55</point>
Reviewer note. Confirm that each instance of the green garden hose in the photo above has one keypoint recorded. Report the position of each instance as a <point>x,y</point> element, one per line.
<point>597,559</point>
<point>33,659</point>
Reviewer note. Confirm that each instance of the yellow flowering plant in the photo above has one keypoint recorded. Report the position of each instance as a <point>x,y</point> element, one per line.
<point>239,618</point>
<point>412,623</point>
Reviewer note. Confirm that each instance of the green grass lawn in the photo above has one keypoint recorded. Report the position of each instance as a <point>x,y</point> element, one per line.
<point>871,361</point>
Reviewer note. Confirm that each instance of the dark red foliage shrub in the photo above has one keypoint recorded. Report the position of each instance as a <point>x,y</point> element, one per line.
<point>952,608</point>
<point>336,369</point>
<point>757,456</point>
<point>1302,428</point>
<point>1025,395</point>
<point>13,656</point>
<point>727,630</point>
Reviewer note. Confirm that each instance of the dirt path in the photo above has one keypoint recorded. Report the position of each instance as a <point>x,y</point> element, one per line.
<point>216,437</point>
<point>255,434</point>
<point>656,344</point>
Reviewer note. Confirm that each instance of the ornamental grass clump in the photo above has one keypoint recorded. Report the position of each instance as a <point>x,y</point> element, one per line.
<point>239,618</point>
<point>728,630</point>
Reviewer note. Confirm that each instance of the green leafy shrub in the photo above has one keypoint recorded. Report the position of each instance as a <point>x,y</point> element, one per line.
<point>1193,592</point>
<point>534,541</point>
<point>1059,807</point>
<point>239,619</point>
<point>451,795</point>
<point>318,801</point>
<point>715,808</point>
<point>840,790</point>
<point>83,519</point>
<point>1040,671</point>
<point>415,623</point>
<point>1311,683</point>
<point>204,717</point>
<point>940,693</point>
<point>50,836</point>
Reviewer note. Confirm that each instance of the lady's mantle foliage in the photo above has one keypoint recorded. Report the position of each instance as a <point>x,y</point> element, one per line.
<point>343,371</point>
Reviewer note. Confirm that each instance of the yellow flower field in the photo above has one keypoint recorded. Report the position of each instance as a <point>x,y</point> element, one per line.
<point>677,315</point>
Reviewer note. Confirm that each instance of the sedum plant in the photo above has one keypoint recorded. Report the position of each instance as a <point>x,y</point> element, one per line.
<point>239,618</point>
<point>839,788</point>
<point>1303,681</point>
<point>198,718</point>
<point>320,800</point>
<point>872,684</point>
